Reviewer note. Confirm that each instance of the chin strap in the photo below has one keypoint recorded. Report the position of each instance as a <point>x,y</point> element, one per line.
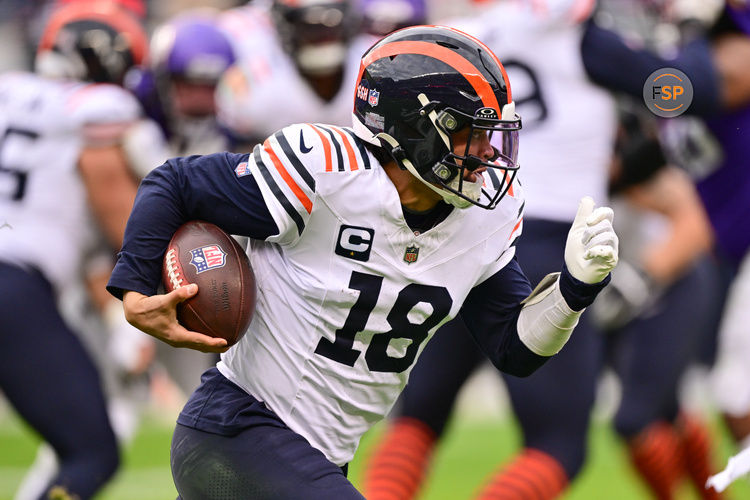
<point>432,115</point>
<point>401,158</point>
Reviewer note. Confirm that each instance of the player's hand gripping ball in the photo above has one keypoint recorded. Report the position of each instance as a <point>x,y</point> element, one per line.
<point>202,253</point>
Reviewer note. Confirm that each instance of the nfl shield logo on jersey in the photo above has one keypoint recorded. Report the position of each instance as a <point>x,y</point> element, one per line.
<point>207,258</point>
<point>242,169</point>
<point>411,254</point>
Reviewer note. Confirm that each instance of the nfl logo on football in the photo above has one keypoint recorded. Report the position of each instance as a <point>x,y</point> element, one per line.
<point>207,257</point>
<point>411,254</point>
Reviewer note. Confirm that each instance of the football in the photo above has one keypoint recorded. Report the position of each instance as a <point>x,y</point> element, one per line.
<point>202,253</point>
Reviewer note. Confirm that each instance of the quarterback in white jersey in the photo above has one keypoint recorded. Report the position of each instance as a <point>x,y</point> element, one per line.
<point>281,77</point>
<point>364,242</point>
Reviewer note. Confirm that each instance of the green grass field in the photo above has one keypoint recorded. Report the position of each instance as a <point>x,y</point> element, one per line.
<point>469,453</point>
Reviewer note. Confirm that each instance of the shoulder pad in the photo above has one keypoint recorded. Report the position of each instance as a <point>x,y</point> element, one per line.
<point>102,104</point>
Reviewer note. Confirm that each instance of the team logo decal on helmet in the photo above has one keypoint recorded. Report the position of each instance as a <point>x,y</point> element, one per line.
<point>432,82</point>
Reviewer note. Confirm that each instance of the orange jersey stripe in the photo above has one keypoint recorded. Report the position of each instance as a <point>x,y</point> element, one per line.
<point>494,57</point>
<point>301,196</point>
<point>444,54</point>
<point>326,146</point>
<point>515,228</point>
<point>349,150</point>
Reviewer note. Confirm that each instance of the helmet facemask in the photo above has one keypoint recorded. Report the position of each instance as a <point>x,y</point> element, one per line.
<point>430,154</point>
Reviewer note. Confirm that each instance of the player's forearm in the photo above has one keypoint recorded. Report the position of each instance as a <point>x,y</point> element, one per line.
<point>689,238</point>
<point>551,312</point>
<point>611,63</point>
<point>671,193</point>
<point>111,189</point>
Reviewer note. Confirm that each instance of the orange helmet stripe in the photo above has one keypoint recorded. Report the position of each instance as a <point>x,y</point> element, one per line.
<point>444,54</point>
<point>106,12</point>
<point>492,54</point>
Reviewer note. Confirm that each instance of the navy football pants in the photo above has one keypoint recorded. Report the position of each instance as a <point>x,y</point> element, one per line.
<point>51,381</point>
<point>229,446</point>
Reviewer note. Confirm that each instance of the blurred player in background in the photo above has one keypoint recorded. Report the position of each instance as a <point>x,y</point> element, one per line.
<point>568,134</point>
<point>655,322</point>
<point>717,64</point>
<point>188,56</point>
<point>360,257</point>
<point>297,61</point>
<point>64,180</point>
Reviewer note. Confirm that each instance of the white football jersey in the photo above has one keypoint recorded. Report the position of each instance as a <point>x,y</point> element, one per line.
<point>569,123</point>
<point>264,91</point>
<point>44,217</point>
<point>348,294</point>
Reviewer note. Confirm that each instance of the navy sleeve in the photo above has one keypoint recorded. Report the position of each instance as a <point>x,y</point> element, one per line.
<point>611,63</point>
<point>577,294</point>
<point>215,188</point>
<point>491,312</point>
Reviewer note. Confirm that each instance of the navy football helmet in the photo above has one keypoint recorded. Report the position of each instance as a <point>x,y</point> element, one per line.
<point>94,41</point>
<point>316,32</point>
<point>417,87</point>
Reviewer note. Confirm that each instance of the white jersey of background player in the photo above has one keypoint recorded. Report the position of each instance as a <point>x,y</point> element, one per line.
<point>568,122</point>
<point>44,126</point>
<point>265,91</point>
<point>60,136</point>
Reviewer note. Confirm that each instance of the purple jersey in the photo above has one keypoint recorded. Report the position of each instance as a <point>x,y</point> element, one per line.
<point>726,192</point>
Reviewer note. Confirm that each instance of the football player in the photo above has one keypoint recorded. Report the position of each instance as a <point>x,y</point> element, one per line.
<point>656,324</point>
<point>716,66</point>
<point>188,56</point>
<point>297,61</point>
<point>64,180</point>
<point>554,406</point>
<point>364,241</point>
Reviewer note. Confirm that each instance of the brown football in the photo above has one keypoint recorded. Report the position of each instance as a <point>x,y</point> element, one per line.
<point>202,253</point>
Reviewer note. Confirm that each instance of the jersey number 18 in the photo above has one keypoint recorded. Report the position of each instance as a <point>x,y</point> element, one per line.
<point>341,348</point>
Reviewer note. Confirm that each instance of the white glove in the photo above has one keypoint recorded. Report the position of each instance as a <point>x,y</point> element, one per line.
<point>591,248</point>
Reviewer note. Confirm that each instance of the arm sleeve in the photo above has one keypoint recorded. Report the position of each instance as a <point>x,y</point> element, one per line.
<point>491,312</point>
<point>216,188</point>
<point>610,62</point>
